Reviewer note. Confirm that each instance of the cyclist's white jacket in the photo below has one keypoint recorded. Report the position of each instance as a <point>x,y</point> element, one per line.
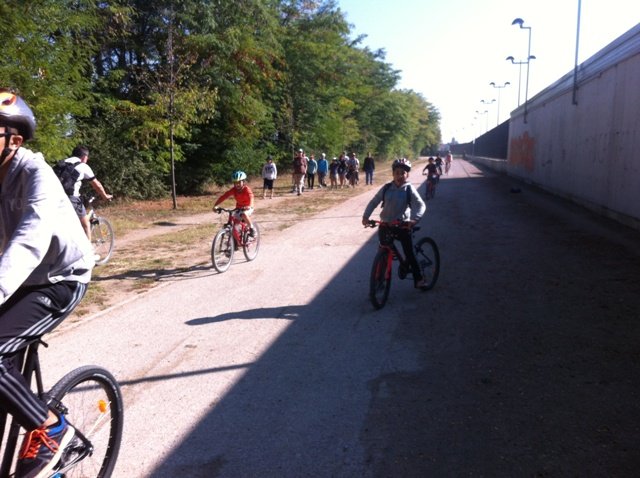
<point>42,238</point>
<point>401,203</point>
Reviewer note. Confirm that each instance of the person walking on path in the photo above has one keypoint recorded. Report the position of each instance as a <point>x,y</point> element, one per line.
<point>299,172</point>
<point>323,169</point>
<point>369,167</point>
<point>333,173</point>
<point>312,167</point>
<point>342,169</point>
<point>269,175</point>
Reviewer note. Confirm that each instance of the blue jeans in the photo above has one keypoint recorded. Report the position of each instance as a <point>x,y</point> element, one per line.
<point>368,177</point>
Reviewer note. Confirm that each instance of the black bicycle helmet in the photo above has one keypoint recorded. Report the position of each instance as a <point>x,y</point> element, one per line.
<point>401,163</point>
<point>15,113</point>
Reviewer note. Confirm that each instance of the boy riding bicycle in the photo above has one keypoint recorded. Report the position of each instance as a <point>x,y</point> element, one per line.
<point>244,198</point>
<point>400,202</point>
<point>45,266</point>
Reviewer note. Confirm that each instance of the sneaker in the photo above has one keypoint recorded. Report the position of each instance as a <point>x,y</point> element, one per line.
<point>96,257</point>
<point>421,284</point>
<point>252,232</point>
<point>42,449</point>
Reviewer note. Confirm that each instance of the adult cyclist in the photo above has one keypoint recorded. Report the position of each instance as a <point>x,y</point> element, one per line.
<point>400,202</point>
<point>45,267</point>
<point>243,195</point>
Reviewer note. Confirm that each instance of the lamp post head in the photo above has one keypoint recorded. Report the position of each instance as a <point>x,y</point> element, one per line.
<point>518,21</point>
<point>511,59</point>
<point>532,57</point>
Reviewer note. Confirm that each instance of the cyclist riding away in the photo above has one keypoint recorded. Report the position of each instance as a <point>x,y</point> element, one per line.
<point>78,172</point>
<point>45,267</point>
<point>244,198</point>
<point>400,202</point>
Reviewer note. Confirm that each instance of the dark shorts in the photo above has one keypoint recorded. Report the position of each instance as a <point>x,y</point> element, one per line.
<point>268,183</point>
<point>78,206</point>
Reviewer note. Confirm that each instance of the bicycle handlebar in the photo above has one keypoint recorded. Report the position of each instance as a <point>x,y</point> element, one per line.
<point>399,224</point>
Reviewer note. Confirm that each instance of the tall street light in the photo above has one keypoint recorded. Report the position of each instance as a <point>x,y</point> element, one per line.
<point>520,23</point>
<point>486,127</point>
<point>488,104</point>
<point>520,63</point>
<point>499,90</point>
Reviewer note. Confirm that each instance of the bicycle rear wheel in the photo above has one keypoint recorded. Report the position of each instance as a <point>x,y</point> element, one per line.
<point>428,257</point>
<point>91,401</point>
<point>252,244</point>
<point>102,239</point>
<point>380,281</point>
<point>222,250</point>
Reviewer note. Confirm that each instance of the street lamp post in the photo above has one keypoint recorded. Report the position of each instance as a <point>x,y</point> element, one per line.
<point>499,89</point>
<point>520,23</point>
<point>486,122</point>
<point>519,63</point>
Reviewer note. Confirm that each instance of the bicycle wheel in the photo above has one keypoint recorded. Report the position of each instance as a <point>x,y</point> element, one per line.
<point>222,250</point>
<point>428,257</point>
<point>380,282</point>
<point>252,244</point>
<point>91,400</point>
<point>102,239</point>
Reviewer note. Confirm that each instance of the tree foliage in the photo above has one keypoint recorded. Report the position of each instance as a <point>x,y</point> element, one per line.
<point>210,86</point>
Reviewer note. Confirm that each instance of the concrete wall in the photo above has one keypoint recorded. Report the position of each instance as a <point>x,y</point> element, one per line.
<point>590,151</point>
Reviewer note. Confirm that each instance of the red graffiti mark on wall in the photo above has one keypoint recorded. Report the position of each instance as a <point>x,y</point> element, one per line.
<point>521,152</point>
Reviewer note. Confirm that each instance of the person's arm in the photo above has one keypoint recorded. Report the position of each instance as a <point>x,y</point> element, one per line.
<point>377,199</point>
<point>97,186</point>
<point>222,198</point>
<point>418,207</point>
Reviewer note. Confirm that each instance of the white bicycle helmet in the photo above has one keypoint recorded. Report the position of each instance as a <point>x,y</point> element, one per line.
<point>238,176</point>
<point>401,163</point>
<point>15,113</point>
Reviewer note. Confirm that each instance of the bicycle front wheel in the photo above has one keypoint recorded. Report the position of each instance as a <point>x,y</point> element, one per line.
<point>380,282</point>
<point>252,244</point>
<point>102,239</point>
<point>222,250</point>
<point>91,401</point>
<point>428,257</point>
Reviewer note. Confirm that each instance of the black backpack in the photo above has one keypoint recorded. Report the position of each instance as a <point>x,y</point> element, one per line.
<point>67,174</point>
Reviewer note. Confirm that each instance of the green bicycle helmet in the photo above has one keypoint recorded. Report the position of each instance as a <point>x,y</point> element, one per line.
<point>239,176</point>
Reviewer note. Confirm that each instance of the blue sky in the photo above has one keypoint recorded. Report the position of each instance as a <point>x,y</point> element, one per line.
<point>450,50</point>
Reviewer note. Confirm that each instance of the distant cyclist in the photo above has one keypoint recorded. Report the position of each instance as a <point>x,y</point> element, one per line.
<point>243,195</point>
<point>431,170</point>
<point>400,202</point>
<point>438,162</point>
<point>447,162</point>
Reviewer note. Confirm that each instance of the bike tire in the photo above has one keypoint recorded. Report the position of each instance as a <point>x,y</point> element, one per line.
<point>380,281</point>
<point>222,250</point>
<point>252,244</point>
<point>102,239</point>
<point>428,257</point>
<point>91,400</point>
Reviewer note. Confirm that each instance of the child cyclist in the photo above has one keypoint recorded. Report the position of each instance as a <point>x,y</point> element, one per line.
<point>243,195</point>
<point>400,202</point>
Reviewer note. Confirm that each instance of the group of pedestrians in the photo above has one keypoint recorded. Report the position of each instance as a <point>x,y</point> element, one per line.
<point>311,173</point>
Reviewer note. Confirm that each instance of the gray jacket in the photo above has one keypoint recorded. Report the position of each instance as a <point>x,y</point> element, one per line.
<point>42,239</point>
<point>396,206</point>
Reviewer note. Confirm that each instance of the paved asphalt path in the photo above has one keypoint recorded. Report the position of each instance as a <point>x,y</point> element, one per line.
<point>523,361</point>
